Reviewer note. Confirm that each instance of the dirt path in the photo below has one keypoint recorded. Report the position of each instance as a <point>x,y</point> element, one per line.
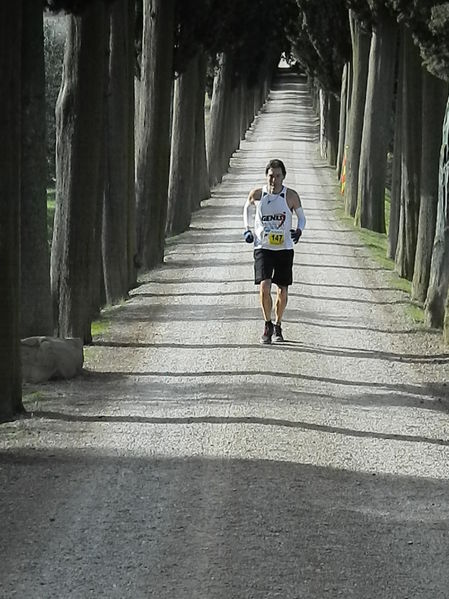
<point>189,462</point>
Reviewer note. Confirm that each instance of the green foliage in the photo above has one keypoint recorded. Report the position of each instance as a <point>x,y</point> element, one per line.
<point>32,400</point>
<point>320,40</point>
<point>428,21</point>
<point>103,323</point>
<point>362,10</point>
<point>99,327</point>
<point>251,32</point>
<point>75,7</point>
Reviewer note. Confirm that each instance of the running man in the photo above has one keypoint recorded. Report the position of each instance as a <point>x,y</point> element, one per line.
<point>273,239</point>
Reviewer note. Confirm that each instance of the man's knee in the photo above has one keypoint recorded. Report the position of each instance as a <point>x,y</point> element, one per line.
<point>265,287</point>
<point>282,291</point>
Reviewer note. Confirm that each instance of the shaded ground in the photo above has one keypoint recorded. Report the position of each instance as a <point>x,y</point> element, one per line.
<point>191,462</point>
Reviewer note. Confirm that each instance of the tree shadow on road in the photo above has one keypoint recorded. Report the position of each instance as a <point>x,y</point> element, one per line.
<point>165,527</point>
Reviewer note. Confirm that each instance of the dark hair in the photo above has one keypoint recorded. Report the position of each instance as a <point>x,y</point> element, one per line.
<point>275,163</point>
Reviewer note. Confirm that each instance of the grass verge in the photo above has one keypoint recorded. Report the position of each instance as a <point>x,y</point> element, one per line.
<point>377,244</point>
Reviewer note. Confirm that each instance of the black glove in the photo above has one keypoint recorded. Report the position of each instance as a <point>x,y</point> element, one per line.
<point>248,236</point>
<point>296,234</point>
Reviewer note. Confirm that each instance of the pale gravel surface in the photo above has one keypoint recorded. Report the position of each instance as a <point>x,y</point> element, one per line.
<point>189,462</point>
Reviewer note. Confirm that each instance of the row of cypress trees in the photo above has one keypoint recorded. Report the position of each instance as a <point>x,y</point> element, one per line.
<point>385,94</point>
<point>131,155</point>
<point>131,109</point>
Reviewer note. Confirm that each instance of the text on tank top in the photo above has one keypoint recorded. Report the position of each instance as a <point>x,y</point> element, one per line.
<point>273,221</point>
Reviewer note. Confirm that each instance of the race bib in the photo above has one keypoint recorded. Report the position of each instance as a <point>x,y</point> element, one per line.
<point>275,238</point>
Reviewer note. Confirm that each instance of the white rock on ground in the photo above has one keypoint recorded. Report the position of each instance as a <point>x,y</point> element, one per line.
<point>191,462</point>
<point>44,358</point>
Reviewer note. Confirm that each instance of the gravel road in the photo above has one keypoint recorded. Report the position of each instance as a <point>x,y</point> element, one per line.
<point>190,462</point>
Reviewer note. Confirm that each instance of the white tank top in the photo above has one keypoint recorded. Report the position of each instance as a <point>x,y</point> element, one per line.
<point>273,221</point>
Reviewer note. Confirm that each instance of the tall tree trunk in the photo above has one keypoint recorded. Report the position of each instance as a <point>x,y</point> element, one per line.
<point>315,94</point>
<point>79,184</point>
<point>333,113</point>
<point>360,55</point>
<point>396,175</point>
<point>10,113</point>
<point>342,176</point>
<point>236,117</point>
<point>250,114</point>
<point>36,306</point>
<point>446,322</point>
<point>115,245</point>
<point>231,136</point>
<point>329,114</point>
<point>376,128</point>
<point>342,119</point>
<point>411,159</point>
<point>131,220</point>
<point>216,130</point>
<point>437,293</point>
<point>323,122</point>
<point>201,189</point>
<point>244,118</point>
<point>435,93</point>
<point>183,146</point>
<point>153,141</point>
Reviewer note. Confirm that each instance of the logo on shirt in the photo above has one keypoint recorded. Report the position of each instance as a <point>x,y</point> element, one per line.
<point>277,219</point>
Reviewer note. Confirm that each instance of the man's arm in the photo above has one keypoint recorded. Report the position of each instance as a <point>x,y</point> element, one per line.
<point>294,203</point>
<point>254,195</point>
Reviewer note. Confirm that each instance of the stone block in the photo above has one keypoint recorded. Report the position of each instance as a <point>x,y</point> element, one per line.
<point>45,358</point>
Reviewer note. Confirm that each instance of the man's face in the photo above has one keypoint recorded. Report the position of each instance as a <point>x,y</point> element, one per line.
<point>274,180</point>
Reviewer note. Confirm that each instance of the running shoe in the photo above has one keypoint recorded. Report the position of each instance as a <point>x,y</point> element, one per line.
<point>267,333</point>
<point>278,337</point>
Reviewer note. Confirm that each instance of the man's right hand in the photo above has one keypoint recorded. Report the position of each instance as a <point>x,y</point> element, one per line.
<point>248,236</point>
<point>296,234</point>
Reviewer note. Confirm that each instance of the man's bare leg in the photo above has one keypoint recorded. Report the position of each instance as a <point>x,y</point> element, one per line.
<point>266,300</point>
<point>266,303</point>
<point>281,303</point>
<point>279,307</point>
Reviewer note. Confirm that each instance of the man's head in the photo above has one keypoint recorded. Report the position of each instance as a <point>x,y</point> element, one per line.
<point>275,173</point>
<point>275,163</point>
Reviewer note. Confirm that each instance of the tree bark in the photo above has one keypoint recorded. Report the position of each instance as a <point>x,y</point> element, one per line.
<point>411,159</point>
<point>235,130</point>
<point>342,118</point>
<point>231,133</point>
<point>437,294</point>
<point>395,195</point>
<point>376,127</point>
<point>10,157</point>
<point>323,122</point>
<point>201,189</point>
<point>153,140</point>
<point>446,322</point>
<point>435,93</point>
<point>118,192</point>
<point>215,134</point>
<point>36,305</point>
<point>360,54</point>
<point>132,242</point>
<point>244,117</point>
<point>331,128</point>
<point>249,107</point>
<point>183,147</point>
<point>79,184</point>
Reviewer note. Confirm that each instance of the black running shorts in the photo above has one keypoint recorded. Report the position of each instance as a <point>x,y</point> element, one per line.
<point>276,265</point>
